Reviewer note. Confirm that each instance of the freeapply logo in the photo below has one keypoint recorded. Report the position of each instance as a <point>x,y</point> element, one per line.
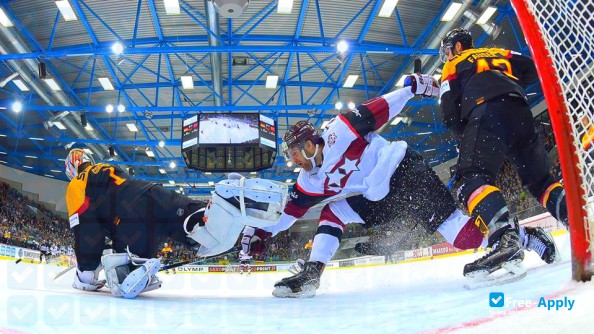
<point>498,300</point>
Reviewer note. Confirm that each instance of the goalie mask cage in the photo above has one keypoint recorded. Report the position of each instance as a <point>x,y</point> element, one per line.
<point>560,36</point>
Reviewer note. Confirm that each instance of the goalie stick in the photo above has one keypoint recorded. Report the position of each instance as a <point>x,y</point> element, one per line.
<point>170,266</point>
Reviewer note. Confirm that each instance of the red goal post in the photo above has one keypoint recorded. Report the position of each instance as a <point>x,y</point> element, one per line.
<point>560,40</point>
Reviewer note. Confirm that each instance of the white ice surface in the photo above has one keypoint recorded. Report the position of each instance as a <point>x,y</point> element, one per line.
<point>426,297</point>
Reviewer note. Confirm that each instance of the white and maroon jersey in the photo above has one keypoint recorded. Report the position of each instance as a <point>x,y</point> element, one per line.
<point>356,160</point>
<point>243,256</point>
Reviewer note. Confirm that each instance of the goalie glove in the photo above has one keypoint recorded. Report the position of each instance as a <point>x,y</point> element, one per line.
<point>422,85</point>
<point>252,241</point>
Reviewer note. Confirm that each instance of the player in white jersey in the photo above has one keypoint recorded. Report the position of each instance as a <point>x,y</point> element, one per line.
<point>364,179</point>
<point>244,260</point>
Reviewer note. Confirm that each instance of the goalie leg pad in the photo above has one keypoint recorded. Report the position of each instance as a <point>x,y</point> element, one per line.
<point>124,283</point>
<point>139,279</point>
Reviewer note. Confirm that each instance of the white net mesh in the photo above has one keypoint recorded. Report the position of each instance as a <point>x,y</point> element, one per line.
<point>567,28</point>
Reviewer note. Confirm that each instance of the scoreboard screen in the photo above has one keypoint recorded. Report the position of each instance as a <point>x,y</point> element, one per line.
<point>225,142</point>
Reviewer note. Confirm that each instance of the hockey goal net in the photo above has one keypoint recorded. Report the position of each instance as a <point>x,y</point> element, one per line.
<point>560,34</point>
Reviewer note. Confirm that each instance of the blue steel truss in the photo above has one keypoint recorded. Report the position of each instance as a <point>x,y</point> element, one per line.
<point>238,93</point>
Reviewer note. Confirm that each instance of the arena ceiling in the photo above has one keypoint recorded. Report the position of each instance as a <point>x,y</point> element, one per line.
<point>228,59</point>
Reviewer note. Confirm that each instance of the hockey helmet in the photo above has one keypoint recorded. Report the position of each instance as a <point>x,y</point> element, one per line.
<point>75,158</point>
<point>451,38</point>
<point>298,134</point>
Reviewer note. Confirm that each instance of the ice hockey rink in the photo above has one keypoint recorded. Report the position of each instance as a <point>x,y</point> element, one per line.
<point>418,297</point>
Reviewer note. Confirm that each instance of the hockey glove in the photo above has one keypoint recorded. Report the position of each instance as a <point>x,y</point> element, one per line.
<point>252,241</point>
<point>422,84</point>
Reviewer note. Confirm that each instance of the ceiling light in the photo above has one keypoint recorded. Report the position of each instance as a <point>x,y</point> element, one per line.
<point>271,81</point>
<point>28,167</point>
<point>289,180</point>
<point>211,183</point>
<point>48,175</point>
<point>171,7</point>
<point>17,106</point>
<point>150,153</point>
<point>387,8</point>
<point>109,108</point>
<point>451,12</point>
<point>66,10</point>
<point>117,48</point>
<point>187,81</point>
<point>52,84</point>
<point>121,108</point>
<point>3,152</point>
<point>2,135</point>
<point>324,123</point>
<point>207,173</point>
<point>88,128</point>
<point>284,6</point>
<point>36,138</point>
<point>4,20</point>
<point>172,182</point>
<point>30,156</point>
<point>350,81</point>
<point>351,105</point>
<point>342,46</point>
<point>59,125</point>
<point>105,83</point>
<point>132,127</point>
<point>4,162</point>
<point>486,15</point>
<point>338,105</point>
<point>55,171</point>
<point>297,170</point>
<point>161,143</point>
<point>399,119</point>
<point>400,82</point>
<point>19,83</point>
<point>162,171</point>
<point>253,173</point>
<point>289,164</point>
<point>172,165</point>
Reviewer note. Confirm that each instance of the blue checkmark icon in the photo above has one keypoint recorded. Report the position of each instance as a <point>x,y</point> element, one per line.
<point>496,299</point>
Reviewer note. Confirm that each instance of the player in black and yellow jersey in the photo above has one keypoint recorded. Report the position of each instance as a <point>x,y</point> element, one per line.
<point>166,253</point>
<point>103,201</point>
<point>485,106</point>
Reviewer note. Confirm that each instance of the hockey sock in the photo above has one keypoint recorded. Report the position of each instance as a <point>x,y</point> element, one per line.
<point>489,210</point>
<point>462,232</point>
<point>325,244</point>
<point>553,199</point>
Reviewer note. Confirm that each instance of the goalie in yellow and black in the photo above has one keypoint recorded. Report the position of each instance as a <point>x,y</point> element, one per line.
<point>103,201</point>
<point>485,106</point>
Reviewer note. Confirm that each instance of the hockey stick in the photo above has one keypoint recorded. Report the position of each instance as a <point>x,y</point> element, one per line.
<point>183,263</point>
<point>63,272</point>
<point>169,266</point>
<point>417,65</point>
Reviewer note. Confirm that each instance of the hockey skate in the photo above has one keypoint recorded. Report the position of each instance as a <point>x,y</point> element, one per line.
<point>507,253</point>
<point>542,242</point>
<point>301,285</point>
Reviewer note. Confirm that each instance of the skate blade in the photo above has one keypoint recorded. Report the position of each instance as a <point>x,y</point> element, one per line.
<point>515,272</point>
<point>308,291</point>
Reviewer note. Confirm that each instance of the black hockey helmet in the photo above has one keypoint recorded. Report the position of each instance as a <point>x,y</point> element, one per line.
<point>451,38</point>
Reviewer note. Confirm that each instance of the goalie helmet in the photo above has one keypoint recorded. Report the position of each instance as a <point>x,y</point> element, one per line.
<point>451,38</point>
<point>75,158</point>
